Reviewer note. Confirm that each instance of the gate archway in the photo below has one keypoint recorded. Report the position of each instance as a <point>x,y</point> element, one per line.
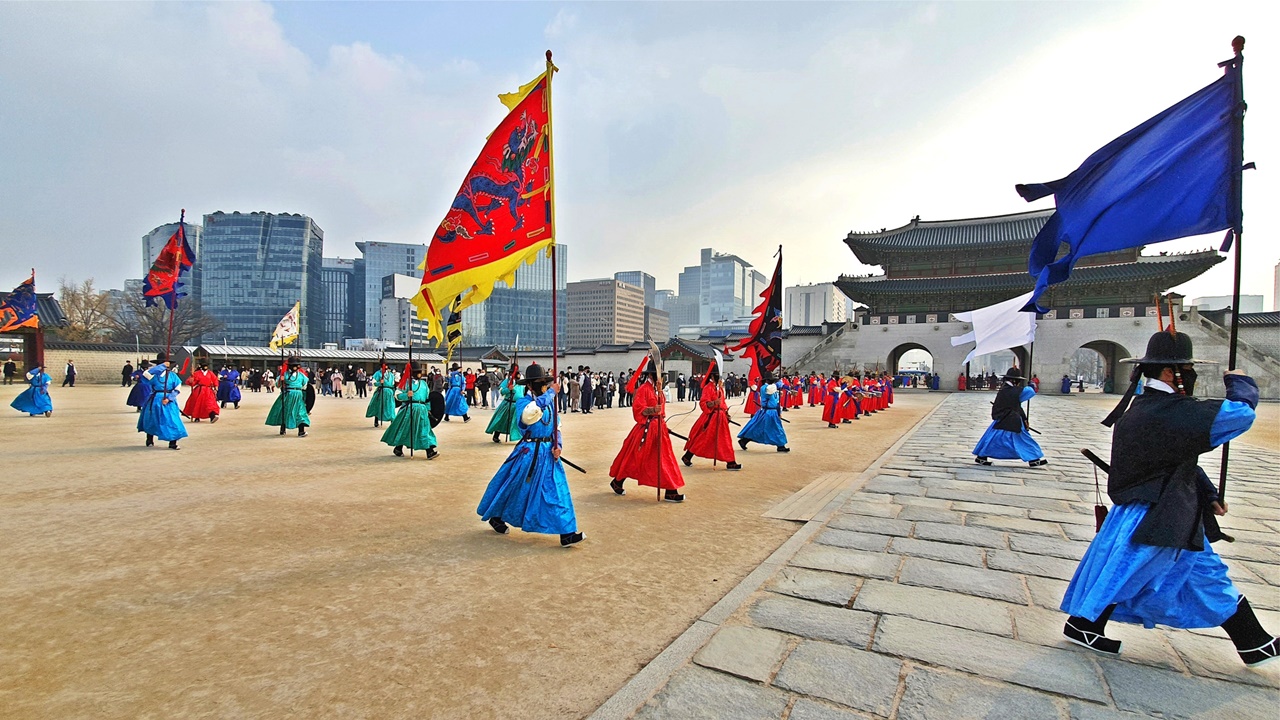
<point>1102,366</point>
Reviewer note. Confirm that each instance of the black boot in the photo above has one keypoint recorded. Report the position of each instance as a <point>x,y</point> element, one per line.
<point>302,431</point>
<point>742,443</point>
<point>616,486</point>
<point>673,496</point>
<point>687,459</point>
<point>567,539</point>
<point>1089,633</point>
<point>173,445</point>
<point>1255,645</point>
<point>151,440</point>
<point>499,526</point>
<point>495,438</point>
<point>281,429</point>
<point>398,451</point>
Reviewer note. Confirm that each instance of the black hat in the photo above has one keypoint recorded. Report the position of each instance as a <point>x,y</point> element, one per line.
<point>294,362</point>
<point>162,356</point>
<point>1166,348</point>
<point>1013,373</point>
<point>534,373</point>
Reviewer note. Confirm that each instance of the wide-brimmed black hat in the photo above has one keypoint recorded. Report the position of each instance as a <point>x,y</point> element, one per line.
<point>534,373</point>
<point>1166,348</point>
<point>162,356</point>
<point>294,362</point>
<point>1013,373</point>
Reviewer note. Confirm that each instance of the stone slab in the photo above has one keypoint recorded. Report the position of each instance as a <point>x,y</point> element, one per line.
<point>1012,524</point>
<point>1046,592</point>
<point>1032,666</point>
<point>884,510</point>
<point>1064,549</point>
<point>1044,627</point>
<point>935,695</point>
<point>1030,564</point>
<point>850,562</point>
<point>930,514</point>
<point>856,678</point>
<point>1217,658</point>
<point>699,694</point>
<point>813,620</point>
<point>935,606</point>
<point>825,587</point>
<point>853,540</point>
<point>994,499</point>
<point>806,709</point>
<point>866,524</point>
<point>961,535</point>
<point>945,552</point>
<point>971,581</point>
<point>988,509</point>
<point>1145,690</point>
<point>747,652</point>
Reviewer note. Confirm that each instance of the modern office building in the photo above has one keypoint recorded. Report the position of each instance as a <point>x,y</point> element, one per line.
<point>725,287</point>
<point>1248,303</point>
<point>338,276</point>
<point>255,266</point>
<point>814,305</point>
<point>397,315</point>
<point>604,311</point>
<point>657,324</point>
<point>642,280</point>
<point>523,310</point>
<point>664,299</point>
<point>380,260</point>
<point>154,241</point>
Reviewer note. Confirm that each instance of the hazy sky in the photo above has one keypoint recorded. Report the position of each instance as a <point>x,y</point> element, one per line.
<point>737,126</point>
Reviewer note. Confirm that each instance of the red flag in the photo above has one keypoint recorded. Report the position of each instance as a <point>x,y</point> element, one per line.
<point>764,340</point>
<point>161,281</point>
<point>635,378</point>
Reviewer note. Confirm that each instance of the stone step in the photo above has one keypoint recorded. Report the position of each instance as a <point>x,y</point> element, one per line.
<point>810,499</point>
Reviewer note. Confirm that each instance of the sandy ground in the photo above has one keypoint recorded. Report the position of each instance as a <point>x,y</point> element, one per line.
<point>252,575</point>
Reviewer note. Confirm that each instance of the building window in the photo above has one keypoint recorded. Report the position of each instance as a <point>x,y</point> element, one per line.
<point>1103,312</point>
<point>911,319</point>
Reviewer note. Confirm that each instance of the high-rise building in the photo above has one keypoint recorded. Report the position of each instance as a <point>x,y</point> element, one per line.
<point>814,305</point>
<point>398,316</point>
<point>338,275</point>
<point>380,260</point>
<point>604,311</point>
<point>725,287</point>
<point>523,310</point>
<point>657,324</point>
<point>154,241</point>
<point>255,266</point>
<point>664,299</point>
<point>642,280</point>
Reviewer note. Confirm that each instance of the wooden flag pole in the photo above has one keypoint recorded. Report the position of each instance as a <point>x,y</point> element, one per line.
<point>1235,64</point>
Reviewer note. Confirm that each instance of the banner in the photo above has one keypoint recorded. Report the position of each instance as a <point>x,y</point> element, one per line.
<point>19,309</point>
<point>287,329</point>
<point>162,281</point>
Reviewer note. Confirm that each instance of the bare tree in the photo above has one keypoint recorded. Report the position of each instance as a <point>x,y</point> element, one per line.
<point>87,310</point>
<point>132,317</point>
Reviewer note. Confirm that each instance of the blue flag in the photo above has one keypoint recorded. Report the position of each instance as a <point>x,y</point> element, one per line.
<point>19,309</point>
<point>1169,178</point>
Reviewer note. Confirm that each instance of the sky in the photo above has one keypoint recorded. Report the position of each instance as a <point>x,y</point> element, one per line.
<point>736,126</point>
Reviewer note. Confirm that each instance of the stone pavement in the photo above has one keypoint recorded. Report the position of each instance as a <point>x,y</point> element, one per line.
<point>932,592</point>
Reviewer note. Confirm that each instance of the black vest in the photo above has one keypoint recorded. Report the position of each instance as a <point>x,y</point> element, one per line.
<point>1154,449</point>
<point>1007,411</point>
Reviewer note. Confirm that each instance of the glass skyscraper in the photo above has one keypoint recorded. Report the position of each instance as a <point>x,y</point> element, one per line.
<point>255,267</point>
<point>642,280</point>
<point>725,287</point>
<point>523,310</point>
<point>154,241</point>
<point>380,260</point>
<point>339,285</point>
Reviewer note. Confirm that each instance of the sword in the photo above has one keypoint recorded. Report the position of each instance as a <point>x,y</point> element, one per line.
<point>673,432</point>
<point>572,464</point>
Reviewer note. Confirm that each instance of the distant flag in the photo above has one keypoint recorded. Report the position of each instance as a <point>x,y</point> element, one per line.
<point>501,216</point>
<point>634,383</point>
<point>764,340</point>
<point>19,309</point>
<point>1170,177</point>
<point>997,327</point>
<point>162,281</point>
<point>453,329</point>
<point>287,329</point>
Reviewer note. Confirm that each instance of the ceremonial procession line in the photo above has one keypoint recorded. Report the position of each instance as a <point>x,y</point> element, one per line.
<point>932,591</point>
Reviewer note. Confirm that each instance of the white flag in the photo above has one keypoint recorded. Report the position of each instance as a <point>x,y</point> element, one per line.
<point>998,327</point>
<point>287,329</point>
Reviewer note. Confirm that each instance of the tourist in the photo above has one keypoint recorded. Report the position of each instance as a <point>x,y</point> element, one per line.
<point>69,378</point>
<point>482,387</point>
<point>35,400</point>
<point>10,371</point>
<point>382,404</point>
<point>505,420</point>
<point>412,426</point>
<point>160,417</point>
<point>709,437</point>
<point>646,453</point>
<point>680,387</point>
<point>203,400</point>
<point>493,382</point>
<point>575,391</point>
<point>1008,437</point>
<point>362,384</point>
<point>455,402</point>
<point>1151,562</point>
<point>530,490</point>
<point>765,425</point>
<point>587,390</point>
<point>469,378</point>
<point>289,411</point>
<point>126,374</point>
<point>269,380</point>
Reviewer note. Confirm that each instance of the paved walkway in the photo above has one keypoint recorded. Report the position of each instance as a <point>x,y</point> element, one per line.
<point>932,592</point>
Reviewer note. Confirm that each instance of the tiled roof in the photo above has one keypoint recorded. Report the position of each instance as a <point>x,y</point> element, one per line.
<point>317,355</point>
<point>695,347</point>
<point>1172,269</point>
<point>1262,319</point>
<point>966,234</point>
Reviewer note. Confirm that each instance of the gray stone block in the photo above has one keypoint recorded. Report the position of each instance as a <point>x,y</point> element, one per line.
<point>747,652</point>
<point>1056,671</point>
<point>1061,517</point>
<point>879,526</point>
<point>1045,592</point>
<point>936,606</point>
<point>1028,564</point>
<point>856,678</point>
<point>988,509</point>
<point>825,587</point>
<point>913,500</point>
<point>806,709</point>
<point>960,535</point>
<point>971,581</point>
<point>854,540</point>
<point>1217,657</point>
<point>994,499</point>
<point>850,562</point>
<point>1037,491</point>
<point>1079,532</point>
<point>884,510</point>
<point>1064,549</point>
<point>936,695</point>
<point>946,552</point>
<point>1044,627</point>
<point>1085,711</point>
<point>1146,690</point>
<point>1020,525</point>
<point>813,620</point>
<point>930,514</point>
<point>700,694</point>
<point>893,485</point>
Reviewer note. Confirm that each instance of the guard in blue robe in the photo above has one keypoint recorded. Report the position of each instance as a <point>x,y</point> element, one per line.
<point>455,400</point>
<point>1151,562</point>
<point>1008,437</point>
<point>35,399</point>
<point>229,387</point>
<point>141,390</point>
<point>161,417</point>
<point>530,490</point>
<point>765,425</point>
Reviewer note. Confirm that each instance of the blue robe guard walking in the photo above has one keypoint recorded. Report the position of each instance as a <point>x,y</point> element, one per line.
<point>35,399</point>
<point>1008,436</point>
<point>161,417</point>
<point>765,425</point>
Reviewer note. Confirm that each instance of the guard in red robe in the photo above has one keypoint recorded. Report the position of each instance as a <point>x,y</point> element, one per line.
<point>203,400</point>
<point>646,454</point>
<point>815,389</point>
<point>831,403</point>
<point>751,405</point>
<point>709,438</point>
<point>851,402</point>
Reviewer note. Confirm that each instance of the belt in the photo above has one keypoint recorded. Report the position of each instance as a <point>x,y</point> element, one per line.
<point>535,440</point>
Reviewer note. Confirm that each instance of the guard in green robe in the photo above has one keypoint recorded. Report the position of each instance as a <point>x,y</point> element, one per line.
<point>289,411</point>
<point>382,402</point>
<point>504,420</point>
<point>411,426</point>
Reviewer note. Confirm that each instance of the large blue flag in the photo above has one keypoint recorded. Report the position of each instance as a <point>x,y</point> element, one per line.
<point>1168,178</point>
<point>19,309</point>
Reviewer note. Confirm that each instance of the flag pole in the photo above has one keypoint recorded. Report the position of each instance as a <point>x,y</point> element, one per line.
<point>413,437</point>
<point>555,302</point>
<point>177,270</point>
<point>1031,356</point>
<point>1236,209</point>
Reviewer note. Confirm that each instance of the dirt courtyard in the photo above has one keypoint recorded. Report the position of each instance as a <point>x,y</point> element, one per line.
<point>253,575</point>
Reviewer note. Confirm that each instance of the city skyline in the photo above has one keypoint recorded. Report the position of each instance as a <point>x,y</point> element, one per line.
<point>678,121</point>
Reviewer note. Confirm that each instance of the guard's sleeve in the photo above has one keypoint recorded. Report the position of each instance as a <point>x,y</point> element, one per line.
<point>1027,393</point>
<point>1236,414</point>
